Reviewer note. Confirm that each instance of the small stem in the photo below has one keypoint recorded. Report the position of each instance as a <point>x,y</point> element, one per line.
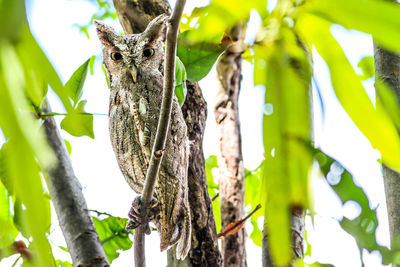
<point>49,114</point>
<point>215,197</point>
<point>162,128</point>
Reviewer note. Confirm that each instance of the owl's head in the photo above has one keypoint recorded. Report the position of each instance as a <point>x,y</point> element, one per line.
<point>129,57</point>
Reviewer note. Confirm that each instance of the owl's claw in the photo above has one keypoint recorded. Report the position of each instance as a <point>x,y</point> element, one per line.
<point>135,219</point>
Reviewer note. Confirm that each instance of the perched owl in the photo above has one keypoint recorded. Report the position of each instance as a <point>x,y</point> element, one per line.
<point>135,66</point>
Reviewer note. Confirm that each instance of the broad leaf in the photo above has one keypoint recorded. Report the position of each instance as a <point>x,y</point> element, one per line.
<point>362,228</point>
<point>113,235</point>
<point>27,148</point>
<point>198,57</point>
<point>79,123</point>
<point>74,85</point>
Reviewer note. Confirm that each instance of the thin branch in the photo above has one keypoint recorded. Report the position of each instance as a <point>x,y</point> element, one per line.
<point>162,127</point>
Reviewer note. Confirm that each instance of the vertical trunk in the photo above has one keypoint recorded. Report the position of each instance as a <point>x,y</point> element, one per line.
<point>66,193</point>
<point>298,228</point>
<point>387,68</point>
<point>134,17</point>
<point>231,181</point>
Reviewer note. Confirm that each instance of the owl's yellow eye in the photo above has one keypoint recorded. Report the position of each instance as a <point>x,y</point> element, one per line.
<point>148,52</point>
<point>116,56</point>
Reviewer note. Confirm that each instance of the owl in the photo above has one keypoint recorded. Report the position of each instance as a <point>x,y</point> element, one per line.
<point>135,66</point>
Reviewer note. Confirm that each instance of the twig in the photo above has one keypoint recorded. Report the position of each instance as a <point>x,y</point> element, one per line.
<point>162,128</point>
<point>215,197</point>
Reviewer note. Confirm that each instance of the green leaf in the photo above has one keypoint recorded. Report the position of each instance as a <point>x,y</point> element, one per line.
<point>32,56</point>
<point>366,64</point>
<point>377,17</point>
<point>8,231</point>
<point>113,235</point>
<point>211,163</point>
<point>386,100</point>
<point>197,57</point>
<point>74,85</point>
<point>252,196</point>
<point>362,228</point>
<point>12,19</point>
<point>180,81</point>
<point>373,123</point>
<point>79,123</point>
<point>283,68</point>
<point>68,146</point>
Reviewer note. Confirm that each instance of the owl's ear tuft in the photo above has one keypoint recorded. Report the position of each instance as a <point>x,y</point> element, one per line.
<point>156,29</point>
<point>106,34</point>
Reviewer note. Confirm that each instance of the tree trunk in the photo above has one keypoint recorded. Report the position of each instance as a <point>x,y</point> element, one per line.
<point>298,228</point>
<point>387,68</point>
<point>73,215</point>
<point>134,17</point>
<point>231,180</point>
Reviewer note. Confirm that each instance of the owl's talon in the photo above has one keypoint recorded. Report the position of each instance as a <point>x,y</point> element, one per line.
<point>135,218</point>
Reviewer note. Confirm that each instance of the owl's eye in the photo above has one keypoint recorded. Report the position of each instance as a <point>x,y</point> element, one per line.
<point>116,56</point>
<point>148,52</point>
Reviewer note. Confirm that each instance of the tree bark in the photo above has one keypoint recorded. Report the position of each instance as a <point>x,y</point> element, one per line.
<point>231,181</point>
<point>66,193</point>
<point>387,68</point>
<point>134,17</point>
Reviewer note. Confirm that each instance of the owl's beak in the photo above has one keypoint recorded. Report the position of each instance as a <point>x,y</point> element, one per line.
<point>133,71</point>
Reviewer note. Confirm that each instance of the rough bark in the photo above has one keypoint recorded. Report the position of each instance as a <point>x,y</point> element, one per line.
<point>204,247</point>
<point>387,68</point>
<point>73,215</point>
<point>231,181</point>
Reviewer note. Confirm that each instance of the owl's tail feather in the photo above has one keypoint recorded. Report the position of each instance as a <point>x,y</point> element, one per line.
<point>184,242</point>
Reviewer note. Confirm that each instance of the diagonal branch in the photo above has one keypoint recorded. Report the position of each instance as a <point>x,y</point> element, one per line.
<point>162,128</point>
<point>73,215</point>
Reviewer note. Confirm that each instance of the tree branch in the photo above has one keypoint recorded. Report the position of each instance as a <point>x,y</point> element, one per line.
<point>73,215</point>
<point>162,127</point>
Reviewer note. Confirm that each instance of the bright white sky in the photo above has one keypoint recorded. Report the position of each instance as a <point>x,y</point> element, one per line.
<point>105,188</point>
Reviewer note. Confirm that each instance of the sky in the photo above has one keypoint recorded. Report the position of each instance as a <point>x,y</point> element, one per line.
<point>106,190</point>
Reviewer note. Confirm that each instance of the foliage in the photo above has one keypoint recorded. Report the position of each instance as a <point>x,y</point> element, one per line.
<point>364,226</point>
<point>180,81</point>
<point>281,56</point>
<point>213,190</point>
<point>113,235</point>
<point>282,65</point>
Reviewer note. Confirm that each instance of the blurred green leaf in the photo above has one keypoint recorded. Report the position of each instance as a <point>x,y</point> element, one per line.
<point>198,57</point>
<point>74,85</point>
<point>60,263</point>
<point>386,100</point>
<point>79,123</point>
<point>68,146</point>
<point>374,124</point>
<point>113,235</point>
<point>213,190</point>
<point>283,68</point>
<point>180,81</point>
<point>252,196</point>
<point>12,19</point>
<point>366,64</point>
<point>27,147</point>
<point>377,17</point>
<point>362,228</point>
<point>32,56</point>
<point>8,231</point>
